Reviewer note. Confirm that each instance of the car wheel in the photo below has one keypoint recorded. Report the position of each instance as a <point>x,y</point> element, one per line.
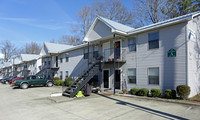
<point>24,86</point>
<point>49,84</point>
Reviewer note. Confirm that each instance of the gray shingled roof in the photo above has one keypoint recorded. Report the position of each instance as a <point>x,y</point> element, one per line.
<point>55,48</point>
<point>166,22</point>
<point>115,25</point>
<point>29,57</point>
<point>126,30</point>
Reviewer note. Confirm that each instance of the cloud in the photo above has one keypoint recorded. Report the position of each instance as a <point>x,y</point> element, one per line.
<point>24,20</point>
<point>36,23</point>
<point>46,26</point>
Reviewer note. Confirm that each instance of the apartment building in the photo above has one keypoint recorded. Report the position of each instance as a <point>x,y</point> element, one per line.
<point>162,55</point>
<point>72,62</point>
<point>22,65</point>
<point>51,59</point>
<point>29,64</point>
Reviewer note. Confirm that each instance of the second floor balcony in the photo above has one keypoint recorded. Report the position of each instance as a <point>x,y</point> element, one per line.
<point>108,55</point>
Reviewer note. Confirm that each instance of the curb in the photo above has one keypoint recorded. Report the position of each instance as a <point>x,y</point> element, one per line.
<point>58,100</point>
<point>160,99</point>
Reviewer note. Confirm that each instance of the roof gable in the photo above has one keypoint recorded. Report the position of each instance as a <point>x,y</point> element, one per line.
<point>44,50</point>
<point>103,27</point>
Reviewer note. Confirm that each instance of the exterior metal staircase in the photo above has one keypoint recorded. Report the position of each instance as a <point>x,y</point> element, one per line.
<point>84,78</point>
<point>42,70</point>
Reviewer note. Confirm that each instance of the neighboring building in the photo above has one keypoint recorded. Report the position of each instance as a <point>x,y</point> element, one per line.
<point>50,59</point>
<point>162,55</point>
<point>16,66</point>
<point>71,62</point>
<point>1,70</point>
<point>6,69</point>
<point>29,64</point>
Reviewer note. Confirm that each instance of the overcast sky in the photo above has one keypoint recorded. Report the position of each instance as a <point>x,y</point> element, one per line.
<point>23,21</point>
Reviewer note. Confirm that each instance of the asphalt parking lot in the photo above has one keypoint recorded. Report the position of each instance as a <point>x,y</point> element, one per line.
<point>34,104</point>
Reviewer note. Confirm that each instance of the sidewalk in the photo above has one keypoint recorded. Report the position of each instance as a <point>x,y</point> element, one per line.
<point>185,102</point>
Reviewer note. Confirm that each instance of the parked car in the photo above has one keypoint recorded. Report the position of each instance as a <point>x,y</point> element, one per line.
<point>32,80</point>
<point>5,80</point>
<point>17,78</point>
<point>1,79</point>
<point>10,79</point>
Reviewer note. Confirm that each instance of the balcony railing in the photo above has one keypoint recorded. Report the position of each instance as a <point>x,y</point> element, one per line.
<point>120,55</point>
<point>107,55</point>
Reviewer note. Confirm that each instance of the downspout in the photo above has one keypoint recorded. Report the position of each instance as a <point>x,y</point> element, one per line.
<point>114,61</point>
<point>186,39</point>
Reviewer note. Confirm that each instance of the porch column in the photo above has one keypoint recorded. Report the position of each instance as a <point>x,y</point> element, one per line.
<point>88,53</point>
<point>114,61</point>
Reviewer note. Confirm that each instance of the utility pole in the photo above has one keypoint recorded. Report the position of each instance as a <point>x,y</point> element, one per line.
<point>114,60</point>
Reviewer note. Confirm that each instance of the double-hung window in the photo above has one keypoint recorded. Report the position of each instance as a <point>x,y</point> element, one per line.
<point>153,75</point>
<point>85,53</point>
<point>95,52</point>
<point>60,75</point>
<point>66,74</point>
<point>132,75</point>
<point>132,44</point>
<point>153,40</point>
<point>67,57</point>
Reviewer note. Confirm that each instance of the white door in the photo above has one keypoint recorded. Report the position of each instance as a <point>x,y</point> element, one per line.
<point>106,51</point>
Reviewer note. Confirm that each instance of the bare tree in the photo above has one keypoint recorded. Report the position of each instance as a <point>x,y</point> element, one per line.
<point>111,9</point>
<point>52,41</point>
<point>85,18</point>
<point>69,40</point>
<point>175,8</point>
<point>148,11</point>
<point>8,50</point>
<point>31,48</point>
<point>114,10</point>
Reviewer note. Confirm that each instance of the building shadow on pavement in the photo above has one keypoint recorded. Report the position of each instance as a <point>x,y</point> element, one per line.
<point>145,109</point>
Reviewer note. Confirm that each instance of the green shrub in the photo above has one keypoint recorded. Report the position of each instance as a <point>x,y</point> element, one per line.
<point>68,81</point>
<point>156,92</point>
<point>183,91</point>
<point>56,78</point>
<point>57,82</point>
<point>169,93</point>
<point>134,91</point>
<point>62,83</point>
<point>143,92</point>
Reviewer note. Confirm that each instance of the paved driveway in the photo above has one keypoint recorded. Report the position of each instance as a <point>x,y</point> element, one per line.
<point>33,104</point>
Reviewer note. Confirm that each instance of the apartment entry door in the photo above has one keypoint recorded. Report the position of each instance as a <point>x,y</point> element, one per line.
<point>117,50</point>
<point>106,78</point>
<point>117,79</point>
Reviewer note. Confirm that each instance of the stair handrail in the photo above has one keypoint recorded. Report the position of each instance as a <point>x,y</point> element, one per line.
<point>84,72</point>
